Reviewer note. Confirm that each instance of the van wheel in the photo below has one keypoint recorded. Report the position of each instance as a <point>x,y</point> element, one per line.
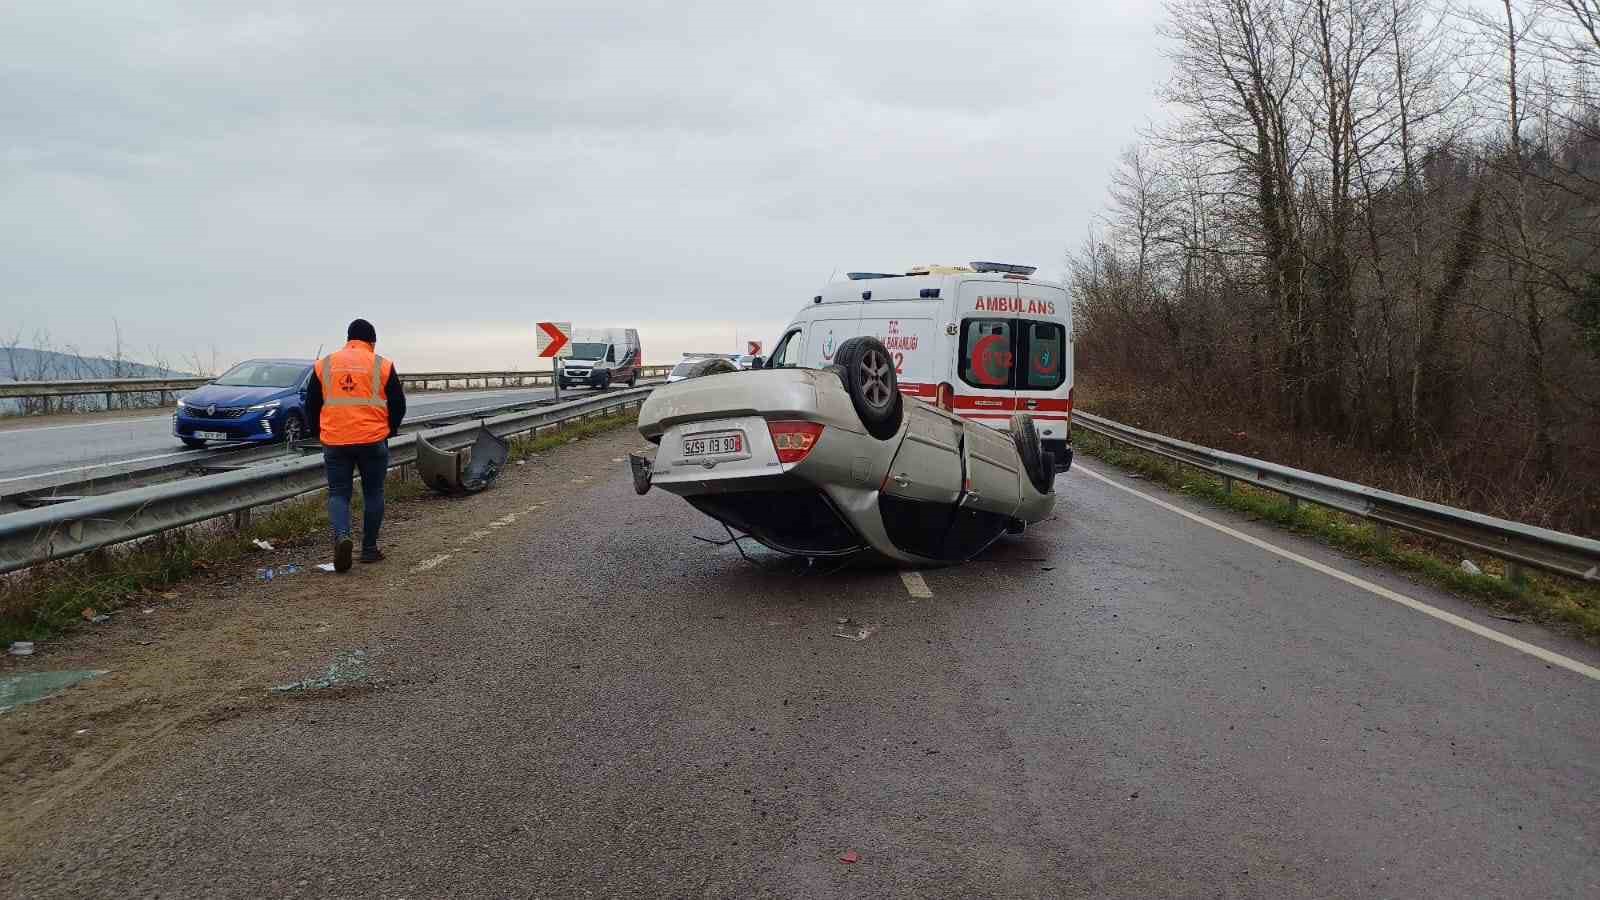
<point>1039,465</point>
<point>874,388</point>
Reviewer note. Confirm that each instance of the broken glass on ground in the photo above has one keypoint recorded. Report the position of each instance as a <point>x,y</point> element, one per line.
<point>15,690</point>
<point>346,669</point>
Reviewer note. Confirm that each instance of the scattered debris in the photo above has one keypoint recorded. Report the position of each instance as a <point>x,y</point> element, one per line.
<point>269,573</point>
<point>148,610</point>
<point>264,545</point>
<point>1047,568</point>
<point>100,619</point>
<point>21,648</point>
<point>88,614</point>
<point>1469,567</point>
<point>842,620</point>
<point>35,686</point>
<point>465,471</point>
<point>325,567</point>
<point>850,857</point>
<point>347,668</point>
<point>1507,618</point>
<point>522,462</point>
<point>858,633</point>
<point>81,731</point>
<point>170,595</point>
<point>1135,475</point>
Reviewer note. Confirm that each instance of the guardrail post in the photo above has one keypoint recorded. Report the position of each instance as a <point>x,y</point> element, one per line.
<point>108,401</point>
<point>1294,503</point>
<point>1515,573</point>
<point>241,520</point>
<point>1381,532</point>
<point>1227,484</point>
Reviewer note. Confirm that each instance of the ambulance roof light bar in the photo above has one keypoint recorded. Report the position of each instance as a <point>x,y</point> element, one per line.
<point>1004,268</point>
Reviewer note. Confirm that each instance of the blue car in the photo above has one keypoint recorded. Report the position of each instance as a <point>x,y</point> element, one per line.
<point>259,400</point>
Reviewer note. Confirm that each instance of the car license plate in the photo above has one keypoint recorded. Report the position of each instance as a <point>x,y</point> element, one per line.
<point>211,435</point>
<point>713,444</point>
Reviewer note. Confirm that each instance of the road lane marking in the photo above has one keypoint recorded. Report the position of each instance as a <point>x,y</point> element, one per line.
<point>433,563</point>
<point>1533,650</point>
<point>6,431</point>
<point>916,586</point>
<point>102,465</point>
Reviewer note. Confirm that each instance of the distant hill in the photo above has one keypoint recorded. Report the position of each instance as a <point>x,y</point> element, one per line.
<point>48,365</point>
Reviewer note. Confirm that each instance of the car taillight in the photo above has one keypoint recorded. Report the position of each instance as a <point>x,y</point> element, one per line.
<point>946,397</point>
<point>794,439</point>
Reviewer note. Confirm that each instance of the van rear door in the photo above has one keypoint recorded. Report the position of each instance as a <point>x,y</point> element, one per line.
<point>985,351</point>
<point>832,325</point>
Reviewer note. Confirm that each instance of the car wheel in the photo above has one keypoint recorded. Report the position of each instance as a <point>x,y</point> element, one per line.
<point>193,443</point>
<point>874,389</point>
<point>293,430</point>
<point>605,382</point>
<point>1039,465</point>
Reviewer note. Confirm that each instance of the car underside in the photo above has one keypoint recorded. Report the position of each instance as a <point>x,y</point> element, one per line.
<point>834,462</point>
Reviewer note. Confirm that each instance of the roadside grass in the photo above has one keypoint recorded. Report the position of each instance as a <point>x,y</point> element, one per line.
<point>1563,602</point>
<point>46,601</point>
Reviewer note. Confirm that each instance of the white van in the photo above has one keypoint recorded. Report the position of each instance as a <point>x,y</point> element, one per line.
<point>984,341</point>
<point>602,357</point>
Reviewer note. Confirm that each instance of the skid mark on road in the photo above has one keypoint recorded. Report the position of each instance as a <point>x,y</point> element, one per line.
<point>916,585</point>
<point>1533,650</point>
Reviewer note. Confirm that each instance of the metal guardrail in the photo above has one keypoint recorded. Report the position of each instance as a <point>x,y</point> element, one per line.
<point>110,386</point>
<point>1519,544</point>
<point>35,536</point>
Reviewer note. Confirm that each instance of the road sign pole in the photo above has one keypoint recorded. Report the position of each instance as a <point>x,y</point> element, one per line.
<point>555,375</point>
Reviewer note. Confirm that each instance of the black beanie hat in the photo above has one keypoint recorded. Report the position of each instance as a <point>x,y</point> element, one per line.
<point>361,330</point>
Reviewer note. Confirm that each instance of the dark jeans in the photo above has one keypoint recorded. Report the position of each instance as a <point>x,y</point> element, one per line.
<point>342,462</point>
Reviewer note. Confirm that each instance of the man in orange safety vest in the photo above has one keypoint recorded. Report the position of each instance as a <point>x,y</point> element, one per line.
<point>357,402</point>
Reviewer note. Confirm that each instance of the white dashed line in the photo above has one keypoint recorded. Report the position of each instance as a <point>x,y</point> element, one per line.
<point>916,586</point>
<point>1464,624</point>
<point>427,564</point>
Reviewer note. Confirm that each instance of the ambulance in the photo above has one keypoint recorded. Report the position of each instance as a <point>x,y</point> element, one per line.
<point>984,341</point>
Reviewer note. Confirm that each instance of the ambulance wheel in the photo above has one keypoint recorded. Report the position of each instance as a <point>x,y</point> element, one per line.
<point>874,389</point>
<point>1039,465</point>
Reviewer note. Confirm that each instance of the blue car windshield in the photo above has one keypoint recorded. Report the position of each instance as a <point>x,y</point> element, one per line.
<point>262,374</point>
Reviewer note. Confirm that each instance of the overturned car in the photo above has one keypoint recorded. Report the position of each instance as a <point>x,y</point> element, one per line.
<point>832,462</point>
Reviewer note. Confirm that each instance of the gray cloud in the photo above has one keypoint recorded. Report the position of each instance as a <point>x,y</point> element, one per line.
<point>252,177</point>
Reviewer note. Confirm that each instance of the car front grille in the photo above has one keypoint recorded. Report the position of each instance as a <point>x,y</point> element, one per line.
<point>222,412</point>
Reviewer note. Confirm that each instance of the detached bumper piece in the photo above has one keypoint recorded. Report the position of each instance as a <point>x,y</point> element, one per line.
<point>641,467</point>
<point>465,471</point>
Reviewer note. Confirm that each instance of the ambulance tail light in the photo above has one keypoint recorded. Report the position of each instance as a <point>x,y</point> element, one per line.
<point>1069,409</point>
<point>945,398</point>
<point>794,440</point>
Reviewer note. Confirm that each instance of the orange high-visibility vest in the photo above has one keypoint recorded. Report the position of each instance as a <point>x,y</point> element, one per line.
<point>355,404</point>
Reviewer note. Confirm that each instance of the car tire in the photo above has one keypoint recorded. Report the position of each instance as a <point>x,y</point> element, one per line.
<point>294,428</point>
<point>193,443</point>
<point>1039,465</point>
<point>869,378</point>
<point>604,382</point>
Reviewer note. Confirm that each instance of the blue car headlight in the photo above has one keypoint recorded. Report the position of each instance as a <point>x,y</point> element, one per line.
<point>270,407</point>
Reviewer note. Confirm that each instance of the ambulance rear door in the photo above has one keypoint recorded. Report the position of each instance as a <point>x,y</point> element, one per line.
<point>984,351</point>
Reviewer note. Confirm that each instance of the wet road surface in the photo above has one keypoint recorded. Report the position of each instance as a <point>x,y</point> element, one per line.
<point>1122,703</point>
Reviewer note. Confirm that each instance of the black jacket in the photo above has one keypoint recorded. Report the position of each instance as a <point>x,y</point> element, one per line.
<point>393,390</point>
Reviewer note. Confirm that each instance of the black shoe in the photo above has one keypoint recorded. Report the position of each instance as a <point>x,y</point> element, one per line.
<point>342,551</point>
<point>372,556</point>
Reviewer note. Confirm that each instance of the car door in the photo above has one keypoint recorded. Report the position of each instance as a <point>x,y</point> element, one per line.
<point>923,486</point>
<point>789,350</point>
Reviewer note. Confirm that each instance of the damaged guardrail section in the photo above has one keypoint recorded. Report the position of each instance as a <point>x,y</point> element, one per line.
<point>48,533</point>
<point>1518,544</point>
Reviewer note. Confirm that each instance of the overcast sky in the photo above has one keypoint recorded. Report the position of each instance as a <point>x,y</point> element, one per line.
<point>250,176</point>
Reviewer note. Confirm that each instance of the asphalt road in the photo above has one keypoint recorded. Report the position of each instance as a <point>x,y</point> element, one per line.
<point>1123,703</point>
<point>64,445</point>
